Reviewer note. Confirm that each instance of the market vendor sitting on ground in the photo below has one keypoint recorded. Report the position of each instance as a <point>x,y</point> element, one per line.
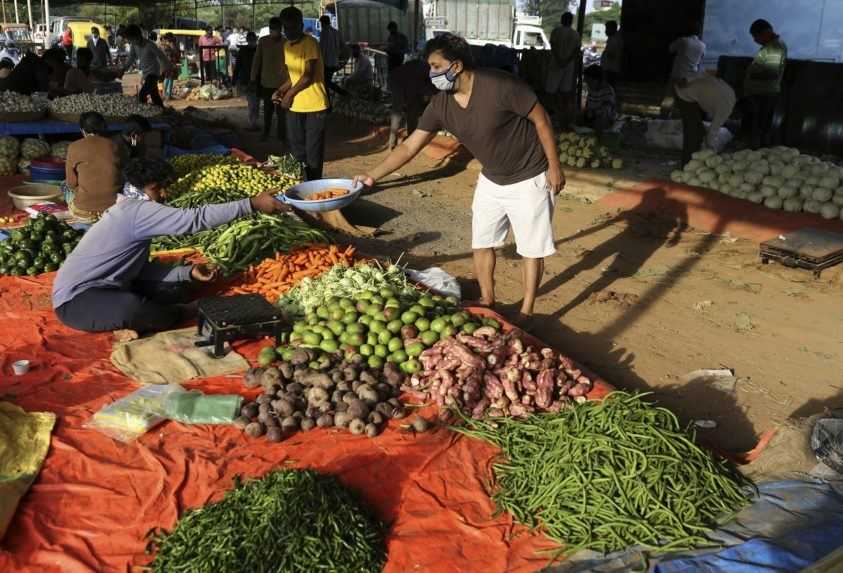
<point>79,79</point>
<point>600,105</point>
<point>499,120</point>
<point>130,141</point>
<point>93,176</point>
<point>108,282</point>
<point>361,78</point>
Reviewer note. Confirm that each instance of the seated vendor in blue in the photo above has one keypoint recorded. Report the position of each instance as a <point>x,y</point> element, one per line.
<point>108,282</point>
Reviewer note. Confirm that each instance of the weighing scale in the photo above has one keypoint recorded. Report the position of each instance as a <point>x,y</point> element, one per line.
<point>811,249</point>
<point>227,318</point>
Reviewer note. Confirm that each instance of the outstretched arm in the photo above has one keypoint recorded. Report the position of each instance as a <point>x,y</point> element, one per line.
<point>398,158</point>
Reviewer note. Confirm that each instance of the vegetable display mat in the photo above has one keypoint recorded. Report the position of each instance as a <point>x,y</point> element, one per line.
<point>96,498</point>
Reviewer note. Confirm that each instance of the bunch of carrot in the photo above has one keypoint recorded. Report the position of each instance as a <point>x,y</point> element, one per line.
<point>273,277</point>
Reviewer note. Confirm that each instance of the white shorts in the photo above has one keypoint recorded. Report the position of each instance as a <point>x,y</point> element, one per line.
<point>526,207</point>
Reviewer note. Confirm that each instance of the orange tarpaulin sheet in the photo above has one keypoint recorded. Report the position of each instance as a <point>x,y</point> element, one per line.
<point>95,498</point>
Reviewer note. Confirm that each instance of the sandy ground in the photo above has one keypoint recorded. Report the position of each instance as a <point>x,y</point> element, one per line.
<point>640,299</point>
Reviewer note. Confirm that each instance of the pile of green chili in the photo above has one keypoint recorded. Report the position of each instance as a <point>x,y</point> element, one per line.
<point>252,239</point>
<point>237,245</point>
<point>288,522</point>
<point>610,475</point>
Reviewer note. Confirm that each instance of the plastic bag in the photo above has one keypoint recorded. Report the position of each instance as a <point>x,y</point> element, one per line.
<point>827,442</point>
<point>438,280</point>
<point>132,416</point>
<point>194,407</point>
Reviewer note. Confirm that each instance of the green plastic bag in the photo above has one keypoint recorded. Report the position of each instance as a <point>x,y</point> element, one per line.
<point>194,407</point>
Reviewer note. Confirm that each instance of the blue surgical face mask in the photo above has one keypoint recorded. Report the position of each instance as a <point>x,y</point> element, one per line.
<point>444,81</point>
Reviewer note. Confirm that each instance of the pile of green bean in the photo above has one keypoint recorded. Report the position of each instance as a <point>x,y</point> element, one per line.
<point>289,521</point>
<point>610,475</point>
<point>255,238</point>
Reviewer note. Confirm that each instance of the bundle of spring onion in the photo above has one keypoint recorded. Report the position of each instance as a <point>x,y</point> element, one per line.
<point>346,282</point>
<point>290,521</point>
<point>610,475</point>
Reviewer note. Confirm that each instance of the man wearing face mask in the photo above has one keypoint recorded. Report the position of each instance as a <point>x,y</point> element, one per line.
<point>500,121</point>
<point>303,94</point>
<point>130,140</point>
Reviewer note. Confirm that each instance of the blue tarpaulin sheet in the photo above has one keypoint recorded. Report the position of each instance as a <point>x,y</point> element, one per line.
<point>791,525</point>
<point>51,127</point>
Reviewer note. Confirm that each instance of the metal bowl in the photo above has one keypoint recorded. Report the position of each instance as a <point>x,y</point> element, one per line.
<point>294,196</point>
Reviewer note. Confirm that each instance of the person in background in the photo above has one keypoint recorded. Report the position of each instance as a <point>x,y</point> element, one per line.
<point>410,88</point>
<point>565,45</point>
<point>397,46</point>
<point>78,80</point>
<point>499,119</point>
<point>243,78</point>
<point>67,42</point>
<point>151,62</point>
<point>234,41</point>
<point>714,96</point>
<point>58,68</point>
<point>763,83</point>
<point>92,169</point>
<point>170,46</point>
<point>108,282</point>
<point>6,67</point>
<point>110,37</point>
<point>153,36</point>
<point>30,75</point>
<point>303,94</point>
<point>99,49</point>
<point>361,79</point>
<point>688,52</point>
<point>267,75</point>
<point>130,144</point>
<point>207,45</point>
<point>611,60</point>
<point>600,105</point>
<point>330,44</point>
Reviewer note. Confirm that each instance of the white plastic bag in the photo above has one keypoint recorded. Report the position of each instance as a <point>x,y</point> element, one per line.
<point>132,416</point>
<point>437,280</point>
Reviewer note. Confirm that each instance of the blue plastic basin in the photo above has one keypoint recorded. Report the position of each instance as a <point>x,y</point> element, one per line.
<point>294,196</point>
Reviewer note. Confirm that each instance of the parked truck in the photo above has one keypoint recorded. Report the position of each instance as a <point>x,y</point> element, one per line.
<point>483,22</point>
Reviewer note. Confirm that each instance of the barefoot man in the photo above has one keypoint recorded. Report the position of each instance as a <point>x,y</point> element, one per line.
<point>108,282</point>
<point>500,121</point>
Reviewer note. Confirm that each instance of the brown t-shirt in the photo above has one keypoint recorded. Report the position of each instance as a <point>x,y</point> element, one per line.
<point>92,170</point>
<point>493,127</point>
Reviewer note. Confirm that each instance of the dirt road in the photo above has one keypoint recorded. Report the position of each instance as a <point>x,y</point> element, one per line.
<point>639,298</point>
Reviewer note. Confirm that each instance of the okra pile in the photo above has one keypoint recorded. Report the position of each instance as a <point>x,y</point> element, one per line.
<point>610,475</point>
<point>287,522</point>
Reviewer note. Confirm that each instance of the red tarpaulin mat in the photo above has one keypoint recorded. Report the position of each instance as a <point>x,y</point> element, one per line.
<point>96,498</point>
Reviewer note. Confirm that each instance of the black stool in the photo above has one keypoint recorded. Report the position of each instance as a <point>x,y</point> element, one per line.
<point>236,318</point>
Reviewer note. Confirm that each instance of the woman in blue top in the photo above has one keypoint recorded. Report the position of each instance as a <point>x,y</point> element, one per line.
<point>108,282</point>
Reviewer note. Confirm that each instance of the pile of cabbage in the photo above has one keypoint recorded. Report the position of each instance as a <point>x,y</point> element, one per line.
<point>778,178</point>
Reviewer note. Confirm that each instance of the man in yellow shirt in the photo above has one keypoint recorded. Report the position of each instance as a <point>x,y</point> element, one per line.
<point>303,94</point>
